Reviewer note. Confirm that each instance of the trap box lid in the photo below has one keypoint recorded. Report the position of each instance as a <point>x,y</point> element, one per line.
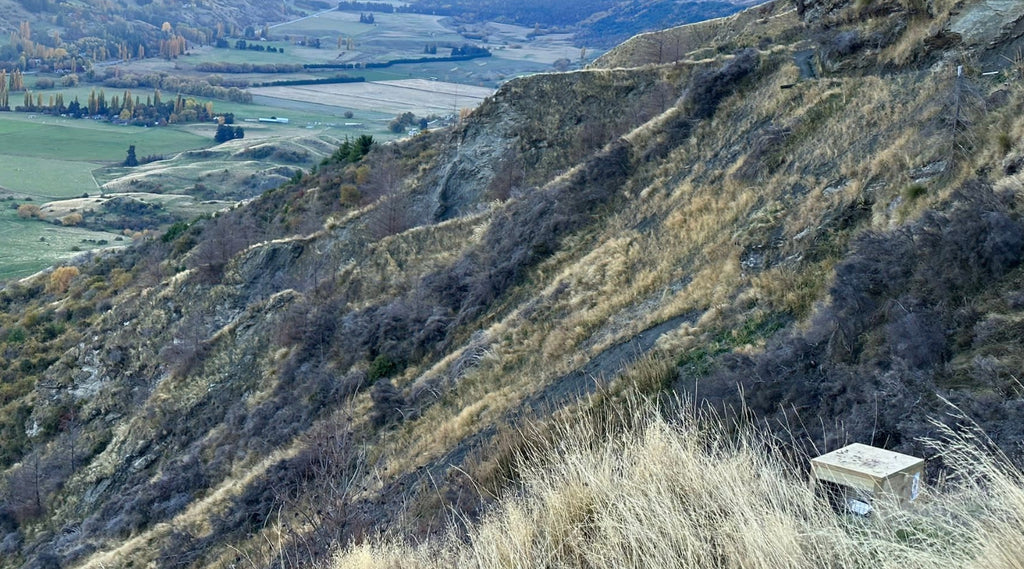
<point>868,468</point>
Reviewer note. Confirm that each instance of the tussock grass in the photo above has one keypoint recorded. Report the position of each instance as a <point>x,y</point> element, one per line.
<point>195,518</point>
<point>677,246</point>
<point>686,493</point>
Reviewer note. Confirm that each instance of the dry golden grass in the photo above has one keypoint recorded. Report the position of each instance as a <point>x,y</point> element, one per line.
<point>617,280</point>
<point>195,518</point>
<point>675,246</point>
<point>684,494</point>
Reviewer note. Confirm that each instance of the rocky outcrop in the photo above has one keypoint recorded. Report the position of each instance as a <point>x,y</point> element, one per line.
<point>511,142</point>
<point>989,22</point>
<point>816,10</point>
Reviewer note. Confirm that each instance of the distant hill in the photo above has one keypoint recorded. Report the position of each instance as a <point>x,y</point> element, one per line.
<point>628,18</point>
<point>119,28</point>
<point>597,22</point>
<point>154,12</point>
<point>125,25</point>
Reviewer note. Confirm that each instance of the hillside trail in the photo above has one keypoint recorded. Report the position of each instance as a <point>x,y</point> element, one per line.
<point>603,367</point>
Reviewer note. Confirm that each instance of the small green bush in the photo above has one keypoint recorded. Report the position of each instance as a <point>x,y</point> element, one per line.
<point>914,191</point>
<point>17,335</point>
<point>1005,142</point>
<point>382,366</point>
<point>174,231</point>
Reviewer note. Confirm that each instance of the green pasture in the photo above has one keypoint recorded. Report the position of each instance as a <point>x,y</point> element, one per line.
<point>30,246</point>
<point>54,158</point>
<point>301,115</point>
<point>85,140</point>
<point>292,54</point>
<point>48,178</point>
<point>183,137</point>
<point>331,24</point>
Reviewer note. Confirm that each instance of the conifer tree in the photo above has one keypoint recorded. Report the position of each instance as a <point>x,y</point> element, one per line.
<point>131,160</point>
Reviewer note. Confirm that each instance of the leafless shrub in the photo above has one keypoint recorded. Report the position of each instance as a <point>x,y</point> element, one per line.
<point>392,215</point>
<point>388,403</point>
<point>222,238</point>
<point>188,347</point>
<point>962,107</point>
<point>883,342</point>
<point>471,356</point>
<point>385,174</point>
<point>308,498</point>
<point>708,88</point>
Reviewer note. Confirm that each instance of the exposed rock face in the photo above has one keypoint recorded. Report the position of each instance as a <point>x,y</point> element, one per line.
<point>988,22</point>
<point>814,10</point>
<point>543,124</point>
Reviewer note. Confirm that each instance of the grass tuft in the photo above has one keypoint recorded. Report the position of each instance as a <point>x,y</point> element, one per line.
<point>683,493</point>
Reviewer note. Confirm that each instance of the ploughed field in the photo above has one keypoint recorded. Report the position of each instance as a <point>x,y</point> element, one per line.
<point>418,96</point>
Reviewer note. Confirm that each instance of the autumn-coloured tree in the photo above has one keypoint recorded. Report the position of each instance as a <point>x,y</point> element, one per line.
<point>29,211</point>
<point>16,82</point>
<point>60,279</point>
<point>71,219</point>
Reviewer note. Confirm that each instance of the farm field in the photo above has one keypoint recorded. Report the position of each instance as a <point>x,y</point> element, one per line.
<point>84,140</point>
<point>418,96</point>
<point>45,178</point>
<point>52,158</point>
<point>31,246</point>
<point>391,36</point>
<point>58,159</point>
<point>303,117</point>
<point>171,140</point>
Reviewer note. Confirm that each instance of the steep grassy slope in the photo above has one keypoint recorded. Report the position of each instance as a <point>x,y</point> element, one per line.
<point>827,228</point>
<point>643,497</point>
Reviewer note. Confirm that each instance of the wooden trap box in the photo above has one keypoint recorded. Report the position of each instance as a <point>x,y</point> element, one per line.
<point>872,471</point>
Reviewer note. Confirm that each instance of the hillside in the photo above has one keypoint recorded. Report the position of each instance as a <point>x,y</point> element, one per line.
<point>65,15</point>
<point>73,36</point>
<point>804,218</point>
<point>601,23</point>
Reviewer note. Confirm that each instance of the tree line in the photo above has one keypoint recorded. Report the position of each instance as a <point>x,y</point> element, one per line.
<point>321,81</point>
<point>250,46</point>
<point>125,108</point>
<point>228,67</point>
<point>462,53</point>
<point>213,86</point>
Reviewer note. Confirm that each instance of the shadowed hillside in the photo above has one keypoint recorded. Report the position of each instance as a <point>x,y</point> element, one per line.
<point>803,217</point>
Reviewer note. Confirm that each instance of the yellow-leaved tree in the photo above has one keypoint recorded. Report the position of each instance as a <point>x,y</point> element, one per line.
<point>60,279</point>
